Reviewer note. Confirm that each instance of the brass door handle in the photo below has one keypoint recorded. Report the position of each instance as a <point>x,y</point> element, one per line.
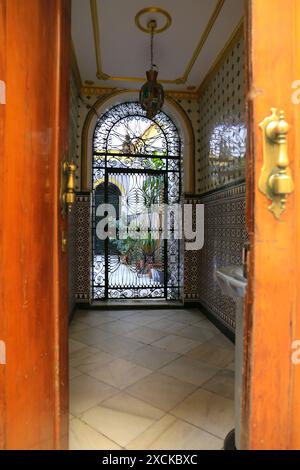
<point>67,187</point>
<point>275,180</point>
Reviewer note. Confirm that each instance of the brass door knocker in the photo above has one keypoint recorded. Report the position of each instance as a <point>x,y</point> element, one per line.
<point>275,180</point>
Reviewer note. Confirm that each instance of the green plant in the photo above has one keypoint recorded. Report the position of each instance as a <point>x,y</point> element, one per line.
<point>152,189</point>
<point>137,248</point>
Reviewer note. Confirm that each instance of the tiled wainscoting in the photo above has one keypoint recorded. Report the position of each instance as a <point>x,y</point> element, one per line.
<point>71,216</point>
<point>82,252</point>
<point>224,236</point>
<point>149,379</point>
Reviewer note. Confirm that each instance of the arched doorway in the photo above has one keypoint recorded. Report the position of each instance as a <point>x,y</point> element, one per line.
<point>141,159</point>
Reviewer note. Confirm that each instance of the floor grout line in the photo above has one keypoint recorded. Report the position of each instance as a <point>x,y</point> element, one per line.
<point>118,356</point>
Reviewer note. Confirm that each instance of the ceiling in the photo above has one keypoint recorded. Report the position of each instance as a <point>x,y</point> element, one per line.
<point>111,51</point>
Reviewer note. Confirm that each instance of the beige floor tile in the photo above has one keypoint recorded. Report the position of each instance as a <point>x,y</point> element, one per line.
<point>75,346</point>
<point>205,323</point>
<point>120,373</point>
<point>83,437</point>
<point>161,391</point>
<point>118,327</point>
<point>74,373</point>
<point>77,356</point>
<point>92,336</point>
<point>152,357</point>
<point>170,433</point>
<point>145,335</point>
<point>183,316</point>
<point>208,411</point>
<point>120,346</point>
<point>117,314</point>
<point>147,438</point>
<point>76,326</point>
<point>185,311</point>
<point>93,361</point>
<point>197,333</point>
<point>175,343</point>
<point>139,319</point>
<point>118,350</point>
<point>222,341</point>
<point>92,318</point>
<point>86,392</point>
<point>157,313</point>
<point>231,366</point>
<point>129,404</point>
<point>211,354</point>
<point>116,422</point>
<point>167,325</point>
<point>222,383</point>
<point>79,313</point>
<point>190,371</point>
<point>194,310</point>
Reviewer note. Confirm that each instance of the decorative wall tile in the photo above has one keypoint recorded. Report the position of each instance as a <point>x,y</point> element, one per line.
<point>73,117</point>
<point>220,161</point>
<point>191,260</point>
<point>71,260</point>
<point>82,258</point>
<point>221,133</point>
<point>224,236</point>
<point>73,113</point>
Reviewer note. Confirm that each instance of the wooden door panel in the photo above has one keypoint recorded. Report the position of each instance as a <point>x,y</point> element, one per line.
<point>33,297</point>
<point>2,126</point>
<point>271,380</point>
<point>295,325</point>
<point>61,260</point>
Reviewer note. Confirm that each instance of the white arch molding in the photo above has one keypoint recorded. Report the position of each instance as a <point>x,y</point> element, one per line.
<point>171,108</point>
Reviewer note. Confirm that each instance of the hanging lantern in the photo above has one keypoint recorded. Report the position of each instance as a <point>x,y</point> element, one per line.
<point>151,95</point>
<point>152,92</point>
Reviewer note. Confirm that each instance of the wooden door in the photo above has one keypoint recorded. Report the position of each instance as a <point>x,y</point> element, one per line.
<point>34,65</point>
<point>34,70</point>
<point>271,412</point>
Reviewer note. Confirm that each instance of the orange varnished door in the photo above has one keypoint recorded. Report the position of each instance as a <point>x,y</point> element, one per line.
<point>2,125</point>
<point>271,411</point>
<point>34,64</point>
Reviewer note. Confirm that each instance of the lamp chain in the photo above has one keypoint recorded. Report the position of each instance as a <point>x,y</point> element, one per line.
<point>152,36</point>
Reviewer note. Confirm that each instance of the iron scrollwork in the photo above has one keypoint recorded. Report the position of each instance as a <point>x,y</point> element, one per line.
<point>141,158</point>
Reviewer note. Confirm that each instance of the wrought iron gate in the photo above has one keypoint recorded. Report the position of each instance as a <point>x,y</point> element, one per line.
<point>139,160</point>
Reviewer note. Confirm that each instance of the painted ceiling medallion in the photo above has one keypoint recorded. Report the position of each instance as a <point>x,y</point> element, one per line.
<point>144,18</point>
<point>152,93</point>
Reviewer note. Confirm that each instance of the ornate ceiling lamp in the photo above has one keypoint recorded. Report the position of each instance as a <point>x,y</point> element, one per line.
<point>152,92</point>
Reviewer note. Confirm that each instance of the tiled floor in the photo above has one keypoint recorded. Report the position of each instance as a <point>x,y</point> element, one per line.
<point>149,379</point>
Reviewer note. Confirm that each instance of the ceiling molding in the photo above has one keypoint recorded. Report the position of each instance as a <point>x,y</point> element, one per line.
<point>151,27</point>
<point>203,38</point>
<point>102,91</point>
<point>235,36</point>
<point>92,90</point>
<point>101,75</point>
